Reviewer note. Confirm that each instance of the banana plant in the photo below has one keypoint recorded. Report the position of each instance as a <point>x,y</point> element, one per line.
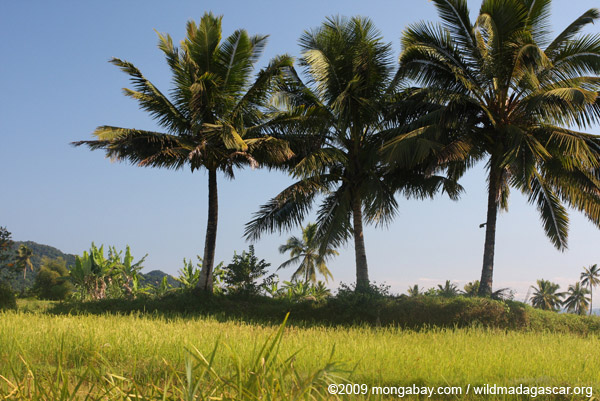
<point>189,275</point>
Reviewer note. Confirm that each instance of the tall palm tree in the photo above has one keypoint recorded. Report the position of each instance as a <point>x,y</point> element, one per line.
<point>23,259</point>
<point>546,295</point>
<point>591,278</point>
<point>308,252</point>
<point>577,300</point>
<point>341,111</point>
<point>212,118</point>
<point>509,95</point>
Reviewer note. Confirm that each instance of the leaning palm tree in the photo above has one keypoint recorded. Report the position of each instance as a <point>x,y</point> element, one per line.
<point>577,300</point>
<point>591,278</point>
<point>211,119</point>
<point>307,251</point>
<point>23,259</point>
<point>509,95</point>
<point>546,296</point>
<point>341,111</point>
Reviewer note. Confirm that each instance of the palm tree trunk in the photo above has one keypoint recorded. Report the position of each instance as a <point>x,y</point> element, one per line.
<point>487,271</point>
<point>205,283</point>
<point>591,299</point>
<point>362,269</point>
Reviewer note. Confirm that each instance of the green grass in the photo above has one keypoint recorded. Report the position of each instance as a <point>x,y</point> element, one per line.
<point>150,349</point>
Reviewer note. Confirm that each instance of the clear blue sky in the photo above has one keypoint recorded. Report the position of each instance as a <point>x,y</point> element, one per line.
<point>56,87</point>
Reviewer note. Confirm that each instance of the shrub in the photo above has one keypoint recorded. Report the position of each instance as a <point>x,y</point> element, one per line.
<point>53,281</point>
<point>242,273</point>
<point>7,297</point>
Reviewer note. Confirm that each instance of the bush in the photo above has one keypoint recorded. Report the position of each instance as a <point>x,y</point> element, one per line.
<point>242,273</point>
<point>7,297</point>
<point>52,281</point>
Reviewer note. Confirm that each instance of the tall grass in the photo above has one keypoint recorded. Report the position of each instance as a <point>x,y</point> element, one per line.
<point>150,354</point>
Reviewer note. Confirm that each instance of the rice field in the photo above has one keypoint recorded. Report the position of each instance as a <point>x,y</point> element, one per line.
<point>148,351</point>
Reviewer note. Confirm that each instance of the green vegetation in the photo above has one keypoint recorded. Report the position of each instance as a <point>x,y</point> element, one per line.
<point>213,118</point>
<point>307,252</point>
<point>152,358</point>
<point>354,130</point>
<point>509,93</point>
<point>53,280</point>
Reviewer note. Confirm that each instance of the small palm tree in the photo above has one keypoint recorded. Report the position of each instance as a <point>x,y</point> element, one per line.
<point>471,288</point>
<point>591,278</point>
<point>23,259</point>
<point>546,296</point>
<point>577,300</point>
<point>212,120</point>
<point>414,291</point>
<point>307,251</point>
<point>447,290</point>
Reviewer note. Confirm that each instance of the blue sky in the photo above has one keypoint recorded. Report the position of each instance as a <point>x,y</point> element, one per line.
<point>56,86</point>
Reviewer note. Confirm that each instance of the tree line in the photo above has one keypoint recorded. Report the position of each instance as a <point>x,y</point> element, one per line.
<point>356,129</point>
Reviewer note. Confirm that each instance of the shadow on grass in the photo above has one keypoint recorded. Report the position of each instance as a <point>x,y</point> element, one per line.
<point>407,312</point>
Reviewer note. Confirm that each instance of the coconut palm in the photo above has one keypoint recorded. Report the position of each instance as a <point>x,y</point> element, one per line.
<point>307,251</point>
<point>591,278</point>
<point>23,259</point>
<point>342,112</point>
<point>510,95</point>
<point>577,300</point>
<point>546,296</point>
<point>211,118</point>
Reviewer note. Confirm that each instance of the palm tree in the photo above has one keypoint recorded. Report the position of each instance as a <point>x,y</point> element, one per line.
<point>471,288</point>
<point>447,290</point>
<point>23,259</point>
<point>212,118</point>
<point>591,278</point>
<point>546,295</point>
<point>509,95</point>
<point>577,300</point>
<point>308,252</point>
<point>414,291</point>
<point>342,113</point>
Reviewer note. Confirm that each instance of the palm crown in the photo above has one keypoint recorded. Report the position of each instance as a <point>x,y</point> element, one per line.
<point>212,118</point>
<point>341,113</point>
<point>308,253</point>
<point>508,94</point>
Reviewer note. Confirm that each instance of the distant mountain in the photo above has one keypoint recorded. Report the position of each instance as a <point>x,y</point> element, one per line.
<point>40,251</point>
<point>155,277</point>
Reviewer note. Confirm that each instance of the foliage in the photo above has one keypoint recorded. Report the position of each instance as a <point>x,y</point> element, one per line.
<point>189,275</point>
<point>414,291</point>
<point>471,288</point>
<point>53,280</point>
<point>447,290</point>
<point>23,259</point>
<point>241,275</point>
<point>590,277</point>
<point>211,120</point>
<point>336,122</point>
<point>96,277</point>
<point>576,300</point>
<point>546,296</point>
<point>508,93</point>
<point>307,251</point>
<point>7,297</point>
<point>298,291</point>
<point>7,265</point>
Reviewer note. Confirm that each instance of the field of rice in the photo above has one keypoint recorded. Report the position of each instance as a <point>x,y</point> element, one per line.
<point>150,353</point>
